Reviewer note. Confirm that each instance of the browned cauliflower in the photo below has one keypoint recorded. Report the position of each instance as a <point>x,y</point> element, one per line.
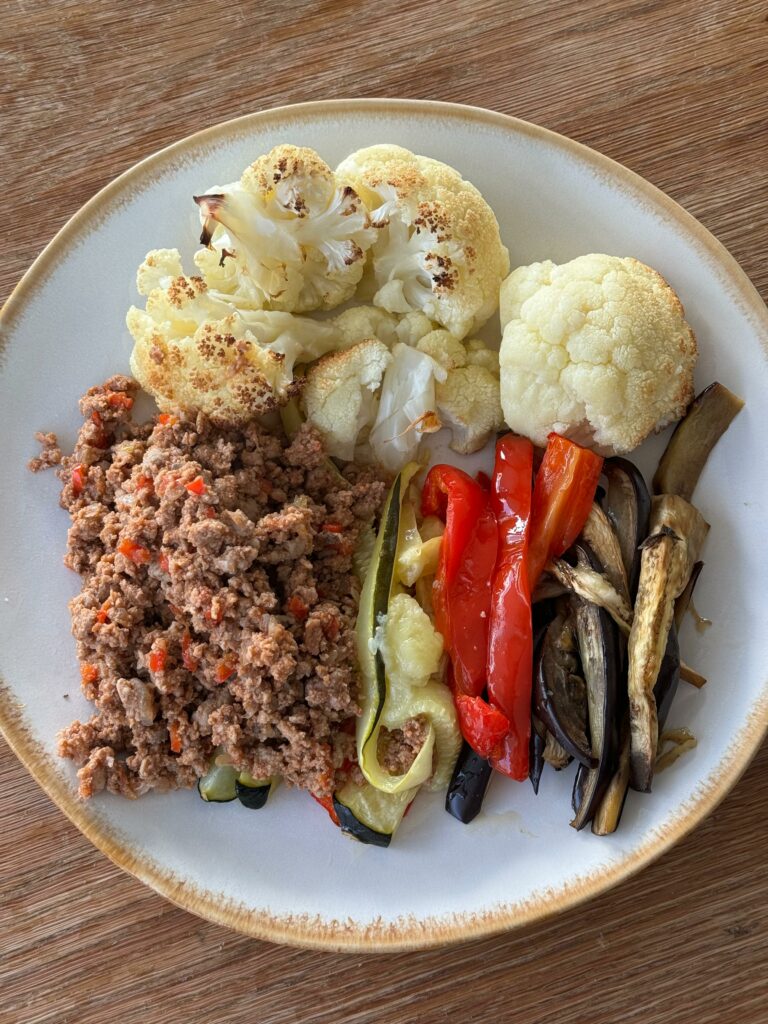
<point>438,249</point>
<point>287,236</point>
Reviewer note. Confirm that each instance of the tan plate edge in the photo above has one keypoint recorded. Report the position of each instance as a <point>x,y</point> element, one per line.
<point>406,933</point>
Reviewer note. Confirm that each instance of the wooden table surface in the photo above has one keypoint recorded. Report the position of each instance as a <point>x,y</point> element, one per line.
<point>678,91</point>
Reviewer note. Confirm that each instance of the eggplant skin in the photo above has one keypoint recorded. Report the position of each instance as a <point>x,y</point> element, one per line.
<point>708,417</point>
<point>627,503</point>
<point>536,756</point>
<point>468,785</point>
<point>351,826</point>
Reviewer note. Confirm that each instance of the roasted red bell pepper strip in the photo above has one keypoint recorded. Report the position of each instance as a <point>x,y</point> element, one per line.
<point>482,725</point>
<point>462,588</point>
<point>510,638</point>
<point>562,497</point>
<point>327,803</point>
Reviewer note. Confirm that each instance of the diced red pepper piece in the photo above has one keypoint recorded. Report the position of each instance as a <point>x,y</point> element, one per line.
<point>483,479</point>
<point>167,419</point>
<point>157,660</point>
<point>224,670</point>
<point>196,486</point>
<point>138,554</point>
<point>145,483</point>
<point>332,528</point>
<point>510,638</point>
<point>190,663</point>
<point>482,725</point>
<point>119,400</point>
<point>562,497</point>
<point>102,615</point>
<point>100,438</point>
<point>297,608</point>
<point>175,736</point>
<point>462,587</point>
<point>89,673</point>
<point>78,480</point>
<point>327,803</point>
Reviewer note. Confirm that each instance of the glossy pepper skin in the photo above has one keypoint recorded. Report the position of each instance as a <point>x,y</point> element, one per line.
<point>562,497</point>
<point>510,638</point>
<point>462,596</point>
<point>462,588</point>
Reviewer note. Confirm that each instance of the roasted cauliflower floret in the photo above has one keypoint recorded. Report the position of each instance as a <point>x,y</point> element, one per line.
<point>197,352</point>
<point>338,395</point>
<point>296,237</point>
<point>597,349</point>
<point>220,369</point>
<point>359,323</point>
<point>468,400</point>
<point>438,250</point>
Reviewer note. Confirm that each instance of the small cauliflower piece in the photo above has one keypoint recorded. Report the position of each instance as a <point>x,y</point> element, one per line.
<point>407,407</point>
<point>596,349</point>
<point>338,394</point>
<point>360,323</point>
<point>438,250</point>
<point>197,352</point>
<point>288,236</point>
<point>469,403</point>
<point>158,270</point>
<point>445,348</point>
<point>468,400</point>
<point>413,326</point>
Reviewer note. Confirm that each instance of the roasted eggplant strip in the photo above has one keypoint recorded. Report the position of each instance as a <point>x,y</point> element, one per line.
<point>547,589</point>
<point>555,754</point>
<point>678,742</point>
<point>683,603</point>
<point>708,417</point>
<point>627,504</point>
<point>598,642</point>
<point>678,531</point>
<point>599,533</point>
<point>690,675</point>
<point>608,814</point>
<point>536,759</point>
<point>594,587</point>
<point>468,785</point>
<point>559,694</point>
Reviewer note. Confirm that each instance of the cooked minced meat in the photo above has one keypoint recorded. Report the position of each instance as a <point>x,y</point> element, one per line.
<point>397,748</point>
<point>218,599</point>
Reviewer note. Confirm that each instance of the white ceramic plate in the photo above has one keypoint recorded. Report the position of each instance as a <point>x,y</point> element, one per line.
<point>284,873</point>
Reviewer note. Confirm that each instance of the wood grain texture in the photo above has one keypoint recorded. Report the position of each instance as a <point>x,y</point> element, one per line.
<point>677,91</point>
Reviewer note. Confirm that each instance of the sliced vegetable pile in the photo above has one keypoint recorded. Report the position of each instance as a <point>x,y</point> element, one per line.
<point>605,664</point>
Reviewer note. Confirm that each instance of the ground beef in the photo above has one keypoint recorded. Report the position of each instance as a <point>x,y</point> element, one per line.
<point>50,454</point>
<point>398,748</point>
<point>218,599</point>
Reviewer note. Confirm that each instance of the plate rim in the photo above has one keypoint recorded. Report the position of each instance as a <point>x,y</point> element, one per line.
<point>404,933</point>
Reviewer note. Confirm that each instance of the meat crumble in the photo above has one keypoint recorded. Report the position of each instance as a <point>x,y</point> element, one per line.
<point>218,598</point>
